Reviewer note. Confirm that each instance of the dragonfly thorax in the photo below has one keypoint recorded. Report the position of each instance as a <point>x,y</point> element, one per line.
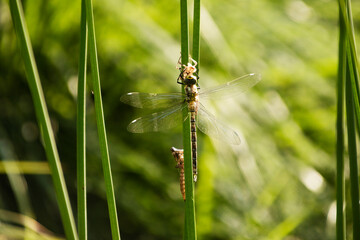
<point>192,94</point>
<point>188,71</point>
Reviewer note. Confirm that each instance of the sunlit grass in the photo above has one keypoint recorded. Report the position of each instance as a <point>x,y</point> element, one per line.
<point>18,226</point>
<point>81,128</point>
<point>43,118</point>
<point>24,167</point>
<point>110,194</point>
<point>340,179</point>
<point>190,221</point>
<point>287,121</point>
<point>348,75</point>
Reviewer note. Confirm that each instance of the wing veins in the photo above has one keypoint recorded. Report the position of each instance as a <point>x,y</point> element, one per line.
<point>152,100</point>
<point>158,121</point>
<point>234,87</point>
<point>208,124</point>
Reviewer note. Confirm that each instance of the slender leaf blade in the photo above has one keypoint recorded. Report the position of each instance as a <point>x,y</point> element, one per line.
<point>81,128</point>
<point>43,118</point>
<point>340,179</point>
<point>196,35</point>
<point>110,195</point>
<point>190,227</point>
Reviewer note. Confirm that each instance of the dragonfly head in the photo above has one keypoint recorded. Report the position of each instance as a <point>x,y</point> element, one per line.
<point>190,80</point>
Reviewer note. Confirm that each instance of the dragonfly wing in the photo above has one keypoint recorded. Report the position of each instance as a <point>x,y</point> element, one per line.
<point>232,88</point>
<point>158,121</point>
<point>152,100</point>
<point>209,125</point>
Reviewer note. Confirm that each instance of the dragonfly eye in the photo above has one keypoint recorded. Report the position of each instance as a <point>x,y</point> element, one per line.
<point>191,80</point>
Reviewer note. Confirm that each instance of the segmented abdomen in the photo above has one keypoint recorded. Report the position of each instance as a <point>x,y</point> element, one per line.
<point>182,178</point>
<point>194,144</point>
<point>179,158</point>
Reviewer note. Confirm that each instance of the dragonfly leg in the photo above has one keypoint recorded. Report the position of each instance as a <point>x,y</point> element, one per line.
<point>195,62</point>
<point>197,84</point>
<point>178,65</point>
<point>180,79</point>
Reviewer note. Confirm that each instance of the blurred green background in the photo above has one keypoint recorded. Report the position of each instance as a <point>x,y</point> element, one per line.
<point>278,184</point>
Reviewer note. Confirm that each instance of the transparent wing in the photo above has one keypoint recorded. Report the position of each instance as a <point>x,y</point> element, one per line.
<point>232,88</point>
<point>158,121</point>
<point>208,124</point>
<point>152,100</point>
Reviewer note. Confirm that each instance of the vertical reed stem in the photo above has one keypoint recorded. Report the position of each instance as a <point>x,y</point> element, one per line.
<point>340,179</point>
<point>43,118</point>
<point>190,226</point>
<point>81,128</point>
<point>110,195</point>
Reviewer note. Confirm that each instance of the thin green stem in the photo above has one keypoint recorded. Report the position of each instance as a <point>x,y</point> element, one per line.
<point>43,118</point>
<point>346,16</point>
<point>353,160</point>
<point>354,175</point>
<point>340,179</point>
<point>190,226</point>
<point>81,128</point>
<point>196,35</point>
<point>352,107</point>
<point>110,195</point>
<point>184,32</point>
<point>352,76</point>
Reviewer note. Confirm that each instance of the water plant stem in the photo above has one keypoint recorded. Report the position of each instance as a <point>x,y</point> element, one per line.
<point>196,35</point>
<point>43,118</point>
<point>340,179</point>
<point>81,128</point>
<point>190,225</point>
<point>352,98</point>
<point>110,195</point>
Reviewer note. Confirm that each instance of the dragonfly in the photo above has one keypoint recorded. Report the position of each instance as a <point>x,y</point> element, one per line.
<point>178,155</point>
<point>171,107</point>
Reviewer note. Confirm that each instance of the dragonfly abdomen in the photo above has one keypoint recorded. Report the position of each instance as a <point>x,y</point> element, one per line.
<point>194,143</point>
<point>179,158</point>
<point>193,102</point>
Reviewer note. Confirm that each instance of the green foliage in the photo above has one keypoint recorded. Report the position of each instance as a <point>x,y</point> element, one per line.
<point>110,195</point>
<point>43,118</point>
<point>81,128</point>
<point>278,183</point>
<point>348,73</point>
<point>340,178</point>
<point>190,220</point>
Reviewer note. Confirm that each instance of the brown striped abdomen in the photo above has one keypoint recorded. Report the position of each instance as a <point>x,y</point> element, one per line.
<point>194,143</point>
<point>182,178</point>
<point>192,97</point>
<point>179,158</point>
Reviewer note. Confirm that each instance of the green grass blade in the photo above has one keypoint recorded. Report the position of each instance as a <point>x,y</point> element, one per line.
<point>353,77</point>
<point>352,106</point>
<point>190,226</point>
<point>110,195</point>
<point>340,179</point>
<point>43,118</point>
<point>81,128</point>
<point>352,61</point>
<point>184,32</point>
<point>346,17</point>
<point>196,35</point>
<point>354,184</point>
<point>354,174</point>
<point>345,9</point>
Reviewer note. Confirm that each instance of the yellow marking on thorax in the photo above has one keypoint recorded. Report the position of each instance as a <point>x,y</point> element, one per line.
<point>192,93</point>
